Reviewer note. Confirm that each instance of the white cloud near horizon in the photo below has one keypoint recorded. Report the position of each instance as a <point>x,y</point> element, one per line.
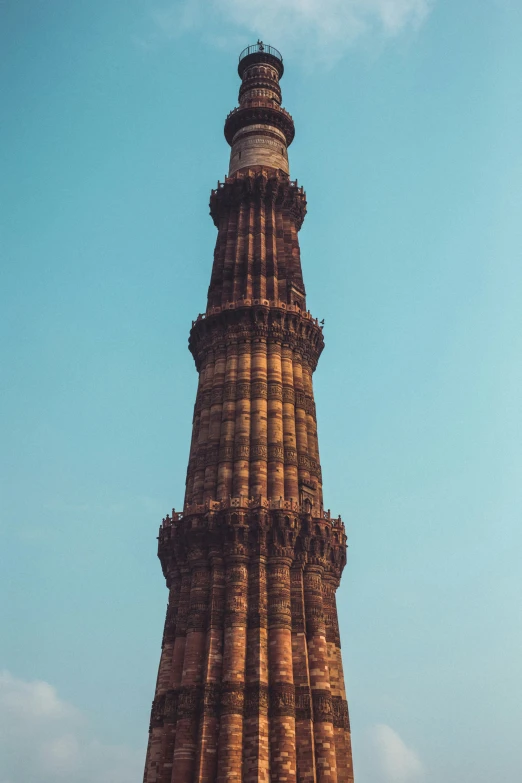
<point>45,739</point>
<point>323,29</point>
<point>384,757</point>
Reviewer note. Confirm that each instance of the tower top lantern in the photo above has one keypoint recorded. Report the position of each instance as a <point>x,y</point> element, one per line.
<point>259,130</point>
<point>260,53</point>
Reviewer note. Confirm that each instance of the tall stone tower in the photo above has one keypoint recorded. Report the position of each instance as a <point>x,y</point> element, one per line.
<point>250,686</point>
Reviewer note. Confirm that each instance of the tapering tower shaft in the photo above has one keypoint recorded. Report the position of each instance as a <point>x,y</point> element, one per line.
<point>250,686</point>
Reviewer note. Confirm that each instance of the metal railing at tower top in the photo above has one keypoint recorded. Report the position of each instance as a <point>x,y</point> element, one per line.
<point>259,48</point>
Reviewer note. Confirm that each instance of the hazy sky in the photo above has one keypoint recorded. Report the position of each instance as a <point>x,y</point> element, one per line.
<point>408,141</point>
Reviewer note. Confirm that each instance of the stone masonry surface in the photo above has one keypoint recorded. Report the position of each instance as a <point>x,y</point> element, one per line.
<point>250,686</point>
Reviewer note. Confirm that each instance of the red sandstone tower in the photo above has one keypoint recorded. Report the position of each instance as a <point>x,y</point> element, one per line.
<point>250,686</point>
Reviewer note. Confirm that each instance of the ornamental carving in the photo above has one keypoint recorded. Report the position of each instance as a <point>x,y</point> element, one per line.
<point>256,700</point>
<point>236,604</point>
<point>200,576</point>
<point>241,451</point>
<point>171,706</point>
<point>300,399</point>
<point>237,575</point>
<point>282,699</point>
<point>211,699</point>
<point>312,582</point>
<point>243,391</point>
<point>229,391</point>
<point>299,333</point>
<point>279,575</point>
<point>189,699</point>
<point>217,395</point>
<point>303,703</point>
<point>276,453</point>
<point>322,706</point>
<point>156,713</point>
<point>341,719</point>
<point>226,452</point>
<point>212,455</point>
<point>288,394</point>
<point>290,456</point>
<point>259,390</point>
<point>258,452</point>
<point>275,391</point>
<point>197,619</point>
<point>232,699</point>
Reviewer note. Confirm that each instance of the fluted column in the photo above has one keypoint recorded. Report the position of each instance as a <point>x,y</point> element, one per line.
<point>206,766</point>
<point>280,245</point>
<point>255,744</point>
<point>311,425</point>
<point>214,429</point>
<point>176,667</point>
<point>158,739</point>
<point>272,289</point>
<point>301,428</point>
<point>276,473</point>
<point>233,683</point>
<point>228,424</point>
<point>304,727</point>
<point>250,686</point>
<point>242,427</point>
<point>289,434</point>
<point>258,439</point>
<point>341,721</point>
<point>260,249</point>
<point>280,669</point>
<point>191,469</point>
<point>207,373</point>
<point>192,673</point>
<point>240,264</point>
<point>319,676</point>
<point>249,249</point>
<point>230,257</point>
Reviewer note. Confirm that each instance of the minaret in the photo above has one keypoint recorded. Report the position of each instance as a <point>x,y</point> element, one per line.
<point>250,686</point>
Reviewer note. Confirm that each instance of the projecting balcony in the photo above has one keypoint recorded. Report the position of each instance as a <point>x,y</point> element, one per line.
<point>261,47</point>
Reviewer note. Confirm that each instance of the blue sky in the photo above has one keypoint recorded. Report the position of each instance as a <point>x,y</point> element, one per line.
<point>408,143</point>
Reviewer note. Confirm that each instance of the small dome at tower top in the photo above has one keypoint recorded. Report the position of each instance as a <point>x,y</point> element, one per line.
<point>260,53</point>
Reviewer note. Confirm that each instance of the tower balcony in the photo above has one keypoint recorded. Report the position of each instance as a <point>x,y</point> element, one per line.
<point>260,113</point>
<point>260,53</point>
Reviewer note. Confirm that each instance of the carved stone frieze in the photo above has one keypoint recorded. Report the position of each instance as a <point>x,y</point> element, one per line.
<point>211,699</point>
<point>156,713</point>
<point>296,331</point>
<point>276,453</point>
<point>229,391</point>
<point>282,699</point>
<point>232,698</point>
<point>322,706</point>
<point>303,703</point>
<point>171,706</point>
<point>256,700</point>
<point>259,390</point>
<point>341,719</point>
<point>189,701</point>
<point>288,394</point>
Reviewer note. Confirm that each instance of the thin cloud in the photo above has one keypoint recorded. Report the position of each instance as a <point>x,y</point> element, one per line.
<point>323,29</point>
<point>43,738</point>
<point>384,757</point>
